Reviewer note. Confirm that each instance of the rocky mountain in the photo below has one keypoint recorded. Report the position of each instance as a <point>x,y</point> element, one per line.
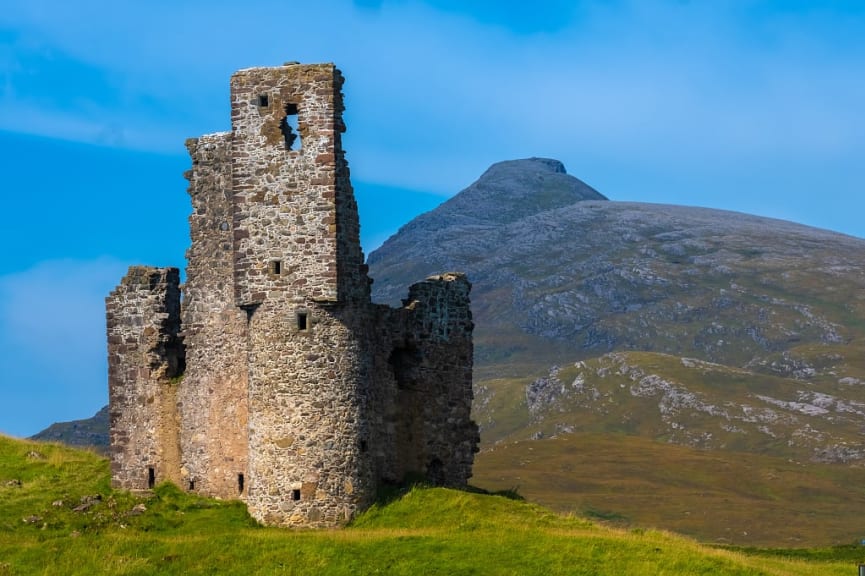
<point>702,327</point>
<point>92,432</point>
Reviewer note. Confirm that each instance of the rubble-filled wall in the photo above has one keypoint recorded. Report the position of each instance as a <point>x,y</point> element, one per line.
<point>145,355</point>
<point>424,384</point>
<point>214,396</point>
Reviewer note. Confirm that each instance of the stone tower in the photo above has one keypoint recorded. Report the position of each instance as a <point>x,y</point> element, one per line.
<point>299,395</point>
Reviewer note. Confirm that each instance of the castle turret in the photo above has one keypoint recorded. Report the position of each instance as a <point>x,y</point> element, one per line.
<point>299,277</point>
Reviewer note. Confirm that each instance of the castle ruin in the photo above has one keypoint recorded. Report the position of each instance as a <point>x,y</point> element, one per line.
<point>276,380</point>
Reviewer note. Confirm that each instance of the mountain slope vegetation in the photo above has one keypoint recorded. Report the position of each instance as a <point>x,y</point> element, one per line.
<point>729,304</point>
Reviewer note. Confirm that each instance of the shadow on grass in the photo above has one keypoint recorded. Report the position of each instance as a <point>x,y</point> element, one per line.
<point>390,492</point>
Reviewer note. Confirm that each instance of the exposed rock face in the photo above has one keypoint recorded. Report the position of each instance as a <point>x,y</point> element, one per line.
<point>300,395</point>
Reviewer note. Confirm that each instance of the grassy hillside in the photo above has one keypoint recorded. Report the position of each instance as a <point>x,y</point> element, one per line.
<point>58,516</point>
<point>713,495</point>
<point>760,409</point>
<point>90,432</point>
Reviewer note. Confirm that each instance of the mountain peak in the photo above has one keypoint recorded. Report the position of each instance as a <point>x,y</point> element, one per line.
<point>514,189</point>
<point>526,164</point>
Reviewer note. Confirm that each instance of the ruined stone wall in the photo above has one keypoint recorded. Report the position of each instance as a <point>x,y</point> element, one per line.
<point>353,281</point>
<point>422,390</point>
<point>145,355</point>
<point>285,198</point>
<point>213,393</point>
<point>442,325</point>
<point>388,333</point>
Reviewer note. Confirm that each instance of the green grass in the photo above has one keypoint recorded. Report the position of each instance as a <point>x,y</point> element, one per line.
<point>715,496</point>
<point>420,531</point>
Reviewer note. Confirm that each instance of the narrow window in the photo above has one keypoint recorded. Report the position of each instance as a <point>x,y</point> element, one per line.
<point>151,477</point>
<point>240,483</point>
<point>191,485</point>
<point>303,321</point>
<point>250,311</point>
<point>290,128</point>
<point>263,100</point>
<point>363,446</point>
<point>276,267</point>
<point>295,494</point>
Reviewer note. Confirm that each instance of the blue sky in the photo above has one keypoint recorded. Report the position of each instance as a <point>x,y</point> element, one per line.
<point>743,105</point>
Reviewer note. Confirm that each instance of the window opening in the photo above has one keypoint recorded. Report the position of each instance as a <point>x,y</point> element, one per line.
<point>295,494</point>
<point>192,485</point>
<point>303,321</point>
<point>363,446</point>
<point>250,310</point>
<point>151,477</point>
<point>276,267</point>
<point>290,128</point>
<point>240,483</point>
<point>263,100</point>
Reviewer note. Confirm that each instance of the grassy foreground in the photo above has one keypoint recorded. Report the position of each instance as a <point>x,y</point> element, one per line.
<point>59,516</point>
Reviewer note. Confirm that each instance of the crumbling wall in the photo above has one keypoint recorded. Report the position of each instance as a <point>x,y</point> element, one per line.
<point>424,384</point>
<point>214,394</point>
<point>285,222</point>
<point>442,327</point>
<point>145,356</point>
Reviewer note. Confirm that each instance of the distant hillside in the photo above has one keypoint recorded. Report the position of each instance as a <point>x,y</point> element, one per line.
<point>91,432</point>
<point>751,329</point>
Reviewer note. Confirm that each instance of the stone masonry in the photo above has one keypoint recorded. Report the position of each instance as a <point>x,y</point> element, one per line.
<point>280,382</point>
